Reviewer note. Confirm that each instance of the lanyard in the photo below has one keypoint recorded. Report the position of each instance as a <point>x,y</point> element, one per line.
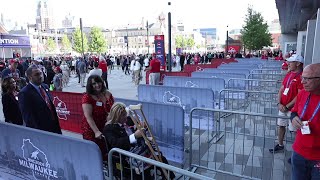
<point>289,82</point>
<point>305,108</point>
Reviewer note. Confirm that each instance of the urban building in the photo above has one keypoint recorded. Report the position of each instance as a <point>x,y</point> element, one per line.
<point>44,19</point>
<point>68,21</point>
<point>199,41</point>
<point>140,37</point>
<point>210,35</point>
<point>180,25</point>
<point>235,34</point>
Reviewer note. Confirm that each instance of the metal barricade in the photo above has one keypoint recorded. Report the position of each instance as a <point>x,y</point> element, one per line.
<point>155,165</point>
<point>277,77</point>
<point>254,84</point>
<point>267,71</point>
<point>243,151</point>
<point>249,101</point>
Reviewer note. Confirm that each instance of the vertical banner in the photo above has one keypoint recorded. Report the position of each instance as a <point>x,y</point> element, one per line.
<point>159,49</point>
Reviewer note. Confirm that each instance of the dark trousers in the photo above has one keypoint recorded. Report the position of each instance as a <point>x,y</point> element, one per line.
<point>105,78</point>
<point>303,169</point>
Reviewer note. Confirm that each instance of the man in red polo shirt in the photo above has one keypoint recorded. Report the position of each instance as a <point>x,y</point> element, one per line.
<point>291,85</point>
<point>305,117</point>
<point>104,67</point>
<point>154,69</point>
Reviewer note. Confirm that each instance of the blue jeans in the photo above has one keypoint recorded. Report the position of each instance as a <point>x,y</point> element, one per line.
<point>303,169</point>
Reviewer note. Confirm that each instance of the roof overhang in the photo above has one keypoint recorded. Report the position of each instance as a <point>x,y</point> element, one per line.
<point>294,14</point>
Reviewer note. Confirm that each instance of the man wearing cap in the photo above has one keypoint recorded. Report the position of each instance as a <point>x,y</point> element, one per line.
<point>154,69</point>
<point>291,85</point>
<point>305,117</point>
<point>136,68</point>
<point>12,70</point>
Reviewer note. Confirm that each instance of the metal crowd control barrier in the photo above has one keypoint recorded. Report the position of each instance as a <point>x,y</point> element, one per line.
<point>277,77</point>
<point>225,76</point>
<point>239,65</point>
<point>243,151</point>
<point>249,101</point>
<point>146,162</point>
<point>237,70</point>
<point>267,71</point>
<point>254,84</point>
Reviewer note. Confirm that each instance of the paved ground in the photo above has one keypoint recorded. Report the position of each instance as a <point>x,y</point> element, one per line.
<point>241,150</point>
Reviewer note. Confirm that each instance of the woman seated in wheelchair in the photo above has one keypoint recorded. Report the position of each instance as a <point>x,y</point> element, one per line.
<point>120,132</point>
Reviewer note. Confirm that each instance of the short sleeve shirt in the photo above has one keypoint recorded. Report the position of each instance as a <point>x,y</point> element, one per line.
<point>155,66</point>
<point>308,145</point>
<point>292,81</point>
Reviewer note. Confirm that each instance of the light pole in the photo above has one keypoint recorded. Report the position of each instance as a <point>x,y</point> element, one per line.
<point>169,37</point>
<point>148,36</point>
<point>127,40</point>
<point>81,37</point>
<point>227,41</point>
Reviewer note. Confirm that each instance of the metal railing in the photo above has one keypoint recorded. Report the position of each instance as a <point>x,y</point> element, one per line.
<point>249,101</point>
<point>254,84</point>
<point>277,77</point>
<point>267,71</point>
<point>243,151</point>
<point>155,165</point>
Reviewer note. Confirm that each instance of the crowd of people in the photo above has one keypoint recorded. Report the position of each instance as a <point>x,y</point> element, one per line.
<point>27,100</point>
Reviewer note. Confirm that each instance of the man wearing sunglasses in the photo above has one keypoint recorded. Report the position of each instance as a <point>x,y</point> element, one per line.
<point>291,85</point>
<point>305,117</point>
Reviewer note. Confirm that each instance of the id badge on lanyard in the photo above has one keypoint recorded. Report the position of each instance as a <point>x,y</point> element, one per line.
<point>306,128</point>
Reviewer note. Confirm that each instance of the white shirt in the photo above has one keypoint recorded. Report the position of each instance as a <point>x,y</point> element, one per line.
<point>64,67</point>
<point>136,66</point>
<point>131,65</point>
<point>97,72</point>
<point>146,62</point>
<point>177,59</point>
<point>73,63</point>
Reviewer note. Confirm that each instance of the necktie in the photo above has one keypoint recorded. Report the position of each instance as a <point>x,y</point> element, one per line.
<point>46,99</point>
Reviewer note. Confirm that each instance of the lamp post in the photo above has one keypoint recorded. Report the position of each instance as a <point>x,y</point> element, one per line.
<point>169,37</point>
<point>3,54</point>
<point>81,37</point>
<point>227,41</point>
<point>127,40</point>
<point>148,36</point>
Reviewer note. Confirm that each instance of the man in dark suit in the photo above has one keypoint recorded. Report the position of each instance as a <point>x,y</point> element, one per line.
<point>36,104</point>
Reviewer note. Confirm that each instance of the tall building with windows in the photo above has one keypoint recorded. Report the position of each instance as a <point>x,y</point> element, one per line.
<point>44,18</point>
<point>68,21</point>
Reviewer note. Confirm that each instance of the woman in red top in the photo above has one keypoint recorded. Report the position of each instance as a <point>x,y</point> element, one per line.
<point>96,105</point>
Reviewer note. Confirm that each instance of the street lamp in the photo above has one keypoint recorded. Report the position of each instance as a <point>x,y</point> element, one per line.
<point>127,40</point>
<point>227,41</point>
<point>148,36</point>
<point>169,36</point>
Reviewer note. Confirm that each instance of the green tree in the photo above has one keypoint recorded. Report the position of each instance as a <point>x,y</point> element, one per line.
<point>50,45</point>
<point>190,42</point>
<point>77,46</point>
<point>97,41</point>
<point>255,33</point>
<point>180,41</point>
<point>66,45</point>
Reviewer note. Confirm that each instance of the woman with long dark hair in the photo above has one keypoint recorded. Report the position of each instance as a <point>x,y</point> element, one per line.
<point>96,105</point>
<point>11,110</point>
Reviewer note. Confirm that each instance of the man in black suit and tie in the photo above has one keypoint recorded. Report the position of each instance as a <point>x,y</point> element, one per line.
<point>36,104</point>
